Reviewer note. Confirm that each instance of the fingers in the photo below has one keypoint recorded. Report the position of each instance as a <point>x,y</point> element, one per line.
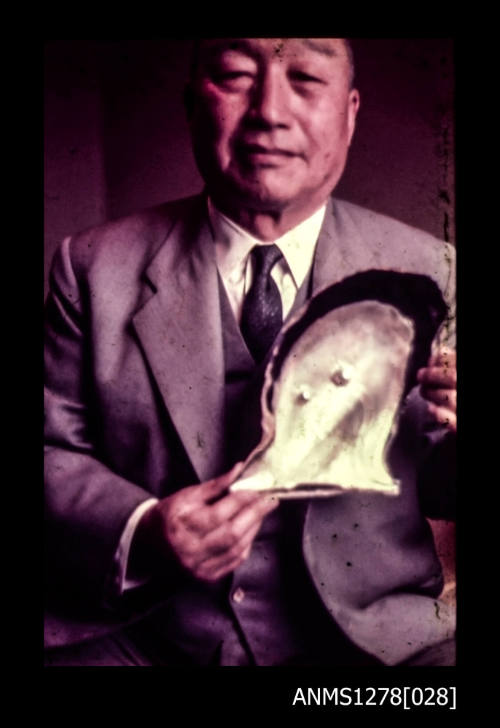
<point>228,546</point>
<point>438,377</point>
<point>194,496</point>
<point>439,387</point>
<point>228,507</point>
<point>441,370</point>
<point>445,397</point>
<point>213,489</point>
<point>443,416</point>
<point>216,567</point>
<point>210,539</point>
<point>229,534</point>
<point>205,518</point>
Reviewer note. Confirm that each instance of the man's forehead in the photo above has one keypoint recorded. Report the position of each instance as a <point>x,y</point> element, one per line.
<point>280,47</point>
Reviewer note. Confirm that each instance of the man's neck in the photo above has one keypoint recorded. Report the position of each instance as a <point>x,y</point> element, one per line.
<point>264,225</point>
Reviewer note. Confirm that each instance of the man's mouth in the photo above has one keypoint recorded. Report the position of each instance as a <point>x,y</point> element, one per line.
<point>258,153</point>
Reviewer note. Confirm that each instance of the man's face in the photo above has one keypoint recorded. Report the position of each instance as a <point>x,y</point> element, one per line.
<point>272,120</point>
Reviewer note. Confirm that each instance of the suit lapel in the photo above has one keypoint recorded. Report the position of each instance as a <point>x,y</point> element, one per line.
<point>341,251</point>
<point>180,330</point>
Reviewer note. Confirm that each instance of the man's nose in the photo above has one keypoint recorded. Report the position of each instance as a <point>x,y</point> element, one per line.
<point>270,102</point>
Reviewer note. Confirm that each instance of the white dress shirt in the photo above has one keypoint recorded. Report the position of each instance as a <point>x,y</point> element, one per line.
<point>232,255</point>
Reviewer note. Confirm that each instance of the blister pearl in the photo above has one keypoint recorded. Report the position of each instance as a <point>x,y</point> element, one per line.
<point>340,377</point>
<point>305,394</point>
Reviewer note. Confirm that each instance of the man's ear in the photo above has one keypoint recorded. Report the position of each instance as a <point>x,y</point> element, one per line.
<point>352,111</point>
<point>189,100</point>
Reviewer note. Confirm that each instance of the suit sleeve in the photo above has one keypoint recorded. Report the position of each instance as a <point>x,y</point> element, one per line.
<point>87,505</point>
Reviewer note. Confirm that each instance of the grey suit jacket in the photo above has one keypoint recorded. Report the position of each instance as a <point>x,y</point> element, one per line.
<point>135,406</point>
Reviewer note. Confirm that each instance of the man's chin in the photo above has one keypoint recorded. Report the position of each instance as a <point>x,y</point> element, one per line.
<point>260,195</point>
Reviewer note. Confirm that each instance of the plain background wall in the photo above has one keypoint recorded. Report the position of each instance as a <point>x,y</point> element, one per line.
<point>75,185</point>
<point>117,140</point>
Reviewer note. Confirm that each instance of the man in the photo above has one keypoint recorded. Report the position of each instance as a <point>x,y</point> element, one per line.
<point>152,388</point>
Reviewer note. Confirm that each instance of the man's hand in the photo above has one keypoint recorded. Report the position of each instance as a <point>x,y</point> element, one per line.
<point>439,387</point>
<point>209,530</point>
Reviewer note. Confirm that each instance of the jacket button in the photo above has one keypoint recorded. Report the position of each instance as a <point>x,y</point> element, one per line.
<point>238,595</point>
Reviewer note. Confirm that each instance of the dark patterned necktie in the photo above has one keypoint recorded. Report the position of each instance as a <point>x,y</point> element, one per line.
<point>262,314</point>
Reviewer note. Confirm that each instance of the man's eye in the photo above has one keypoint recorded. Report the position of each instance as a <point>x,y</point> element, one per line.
<point>303,77</point>
<point>231,76</point>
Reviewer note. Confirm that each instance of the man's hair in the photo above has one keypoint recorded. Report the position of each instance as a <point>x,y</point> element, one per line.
<point>350,57</point>
<point>195,57</point>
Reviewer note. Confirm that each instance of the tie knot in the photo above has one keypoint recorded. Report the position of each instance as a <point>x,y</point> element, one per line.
<point>265,256</point>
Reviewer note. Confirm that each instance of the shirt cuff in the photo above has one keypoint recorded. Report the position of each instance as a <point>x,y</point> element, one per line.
<point>123,580</point>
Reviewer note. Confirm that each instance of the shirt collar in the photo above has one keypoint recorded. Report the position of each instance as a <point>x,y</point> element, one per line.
<point>233,244</point>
